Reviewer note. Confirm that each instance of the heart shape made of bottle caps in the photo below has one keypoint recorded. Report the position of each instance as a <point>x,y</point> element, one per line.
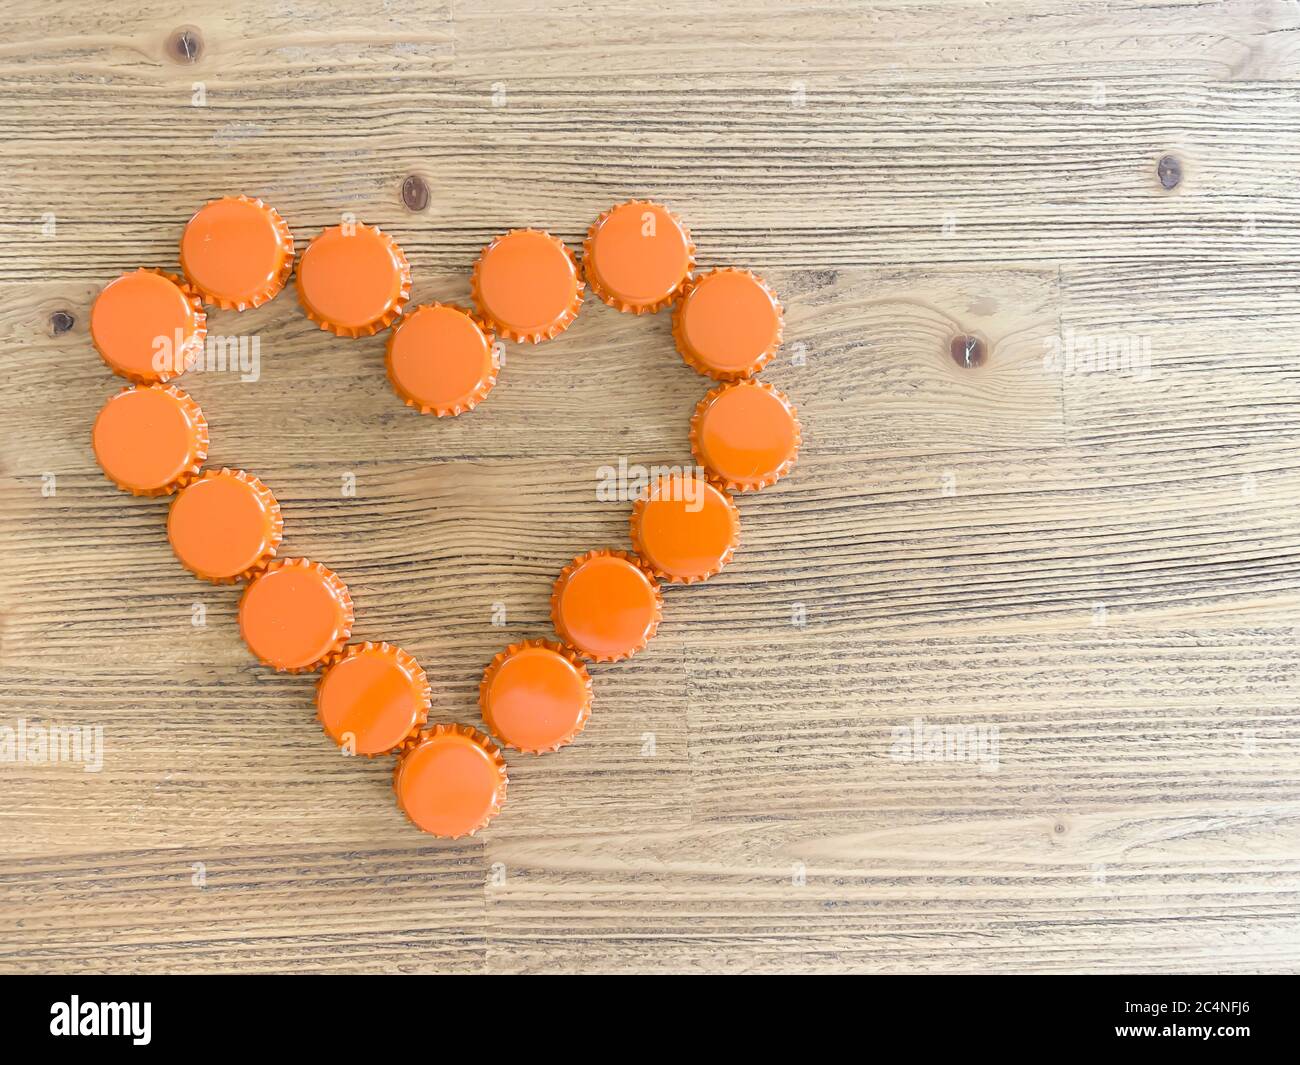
<point>442,359</point>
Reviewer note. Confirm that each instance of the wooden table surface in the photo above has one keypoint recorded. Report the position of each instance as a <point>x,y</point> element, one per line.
<point>1091,564</point>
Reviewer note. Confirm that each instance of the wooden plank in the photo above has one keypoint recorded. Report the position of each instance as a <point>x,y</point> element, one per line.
<point>1025,541</point>
<point>366,908</point>
<point>225,756</point>
<point>867,359</point>
<point>940,43</point>
<point>893,893</point>
<point>1121,716</point>
<point>862,173</point>
<point>1101,564</point>
<point>1208,366</point>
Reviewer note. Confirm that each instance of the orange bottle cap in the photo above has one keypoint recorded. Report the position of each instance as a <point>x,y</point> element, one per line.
<point>685,528</point>
<point>150,439</point>
<point>148,326</point>
<point>353,280</point>
<point>375,697</point>
<point>527,286</point>
<point>237,252</point>
<point>728,324</point>
<point>746,435</point>
<point>224,526</point>
<point>440,360</point>
<point>451,781</point>
<point>535,696</point>
<point>638,256</point>
<point>606,606</point>
<point>295,614</point>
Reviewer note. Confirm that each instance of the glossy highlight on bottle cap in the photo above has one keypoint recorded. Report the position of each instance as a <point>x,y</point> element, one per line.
<point>526,285</point>
<point>353,280</point>
<point>638,256</point>
<point>295,615</point>
<point>373,699</point>
<point>440,360</point>
<point>684,528</point>
<point>535,696</point>
<point>150,439</point>
<point>606,606</point>
<point>148,326</point>
<point>746,435</point>
<point>224,526</point>
<point>237,252</point>
<point>728,324</point>
<point>450,781</point>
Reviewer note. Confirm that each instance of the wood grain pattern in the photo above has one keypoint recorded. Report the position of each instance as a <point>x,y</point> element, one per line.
<point>1091,569</point>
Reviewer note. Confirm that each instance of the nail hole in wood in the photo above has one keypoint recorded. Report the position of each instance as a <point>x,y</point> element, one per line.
<point>415,193</point>
<point>185,45</point>
<point>1170,171</point>
<point>968,351</point>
